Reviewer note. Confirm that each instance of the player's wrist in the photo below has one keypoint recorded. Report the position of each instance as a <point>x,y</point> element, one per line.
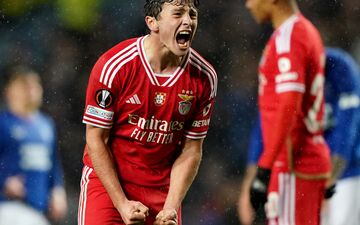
<point>171,206</point>
<point>120,202</point>
<point>259,187</point>
<point>263,174</point>
<point>330,191</point>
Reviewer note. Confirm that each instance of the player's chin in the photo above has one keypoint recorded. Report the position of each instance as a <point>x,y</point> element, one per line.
<point>171,222</point>
<point>181,49</point>
<point>260,19</point>
<point>256,17</point>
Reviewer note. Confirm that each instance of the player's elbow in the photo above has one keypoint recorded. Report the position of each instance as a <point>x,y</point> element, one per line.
<point>96,135</point>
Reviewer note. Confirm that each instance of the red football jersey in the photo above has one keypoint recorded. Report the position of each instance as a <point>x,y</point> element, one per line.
<point>149,114</point>
<point>293,61</point>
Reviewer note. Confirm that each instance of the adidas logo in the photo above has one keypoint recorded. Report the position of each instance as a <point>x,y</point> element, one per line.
<point>134,100</point>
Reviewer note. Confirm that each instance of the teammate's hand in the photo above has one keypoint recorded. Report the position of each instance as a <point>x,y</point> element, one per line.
<point>245,210</point>
<point>133,213</point>
<point>14,187</point>
<point>330,191</point>
<point>166,217</point>
<point>259,187</point>
<point>57,204</point>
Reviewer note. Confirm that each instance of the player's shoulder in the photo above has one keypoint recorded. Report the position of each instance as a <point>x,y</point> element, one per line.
<point>4,117</point>
<point>339,60</point>
<point>305,31</point>
<point>119,49</point>
<point>336,57</point>
<point>201,64</point>
<point>284,35</point>
<point>335,52</point>
<point>206,70</point>
<point>340,56</point>
<point>294,32</point>
<point>3,112</point>
<point>110,62</point>
<point>44,118</point>
<point>197,60</point>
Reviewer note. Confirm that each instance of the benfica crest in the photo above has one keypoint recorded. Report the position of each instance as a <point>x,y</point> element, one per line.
<point>159,98</point>
<point>185,105</point>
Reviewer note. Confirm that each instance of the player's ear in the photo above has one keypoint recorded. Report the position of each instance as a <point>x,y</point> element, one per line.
<point>152,23</point>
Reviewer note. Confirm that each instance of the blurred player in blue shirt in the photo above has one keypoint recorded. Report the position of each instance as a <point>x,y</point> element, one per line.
<point>342,133</point>
<point>31,182</point>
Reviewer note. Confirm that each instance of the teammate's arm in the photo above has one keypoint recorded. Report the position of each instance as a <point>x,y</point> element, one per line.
<point>11,185</point>
<point>245,210</point>
<point>57,200</point>
<point>282,122</point>
<point>182,175</point>
<point>132,212</point>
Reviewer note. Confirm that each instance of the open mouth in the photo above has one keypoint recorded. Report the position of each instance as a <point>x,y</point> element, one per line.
<point>183,38</point>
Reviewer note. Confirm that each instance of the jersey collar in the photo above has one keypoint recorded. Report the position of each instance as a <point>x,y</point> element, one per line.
<point>152,77</point>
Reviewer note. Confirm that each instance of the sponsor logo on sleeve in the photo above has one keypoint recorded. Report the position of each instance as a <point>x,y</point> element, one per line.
<point>201,123</point>
<point>104,98</point>
<point>285,77</point>
<point>284,64</point>
<point>99,113</point>
<point>206,110</point>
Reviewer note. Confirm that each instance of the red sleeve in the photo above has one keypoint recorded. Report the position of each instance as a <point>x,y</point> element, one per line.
<point>289,88</point>
<point>275,138</point>
<point>101,93</point>
<point>198,125</point>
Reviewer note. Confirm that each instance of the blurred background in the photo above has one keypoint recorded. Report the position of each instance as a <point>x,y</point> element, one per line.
<point>62,39</point>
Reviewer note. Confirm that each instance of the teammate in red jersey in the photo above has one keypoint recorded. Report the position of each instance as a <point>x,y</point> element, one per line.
<point>295,163</point>
<point>148,107</point>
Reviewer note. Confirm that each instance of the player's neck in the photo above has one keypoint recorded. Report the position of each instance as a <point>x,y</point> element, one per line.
<point>161,59</point>
<point>21,110</point>
<point>282,13</point>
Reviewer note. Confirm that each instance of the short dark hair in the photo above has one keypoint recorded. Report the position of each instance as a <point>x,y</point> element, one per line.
<point>18,71</point>
<point>154,7</point>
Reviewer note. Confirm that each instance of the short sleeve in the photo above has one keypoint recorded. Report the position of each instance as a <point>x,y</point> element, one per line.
<point>199,123</point>
<point>102,90</point>
<point>290,69</point>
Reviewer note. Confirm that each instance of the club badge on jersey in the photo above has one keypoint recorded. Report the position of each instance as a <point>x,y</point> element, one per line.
<point>185,104</point>
<point>104,98</point>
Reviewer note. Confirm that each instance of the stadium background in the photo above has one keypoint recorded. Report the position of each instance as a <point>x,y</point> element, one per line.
<point>63,38</point>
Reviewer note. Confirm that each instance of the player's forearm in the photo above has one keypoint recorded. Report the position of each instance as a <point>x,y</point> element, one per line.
<point>249,176</point>
<point>245,211</point>
<point>183,173</point>
<point>282,123</point>
<point>338,166</point>
<point>104,167</point>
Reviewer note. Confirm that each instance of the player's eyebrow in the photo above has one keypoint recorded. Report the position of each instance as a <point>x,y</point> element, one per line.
<point>193,10</point>
<point>178,9</point>
<point>182,8</point>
